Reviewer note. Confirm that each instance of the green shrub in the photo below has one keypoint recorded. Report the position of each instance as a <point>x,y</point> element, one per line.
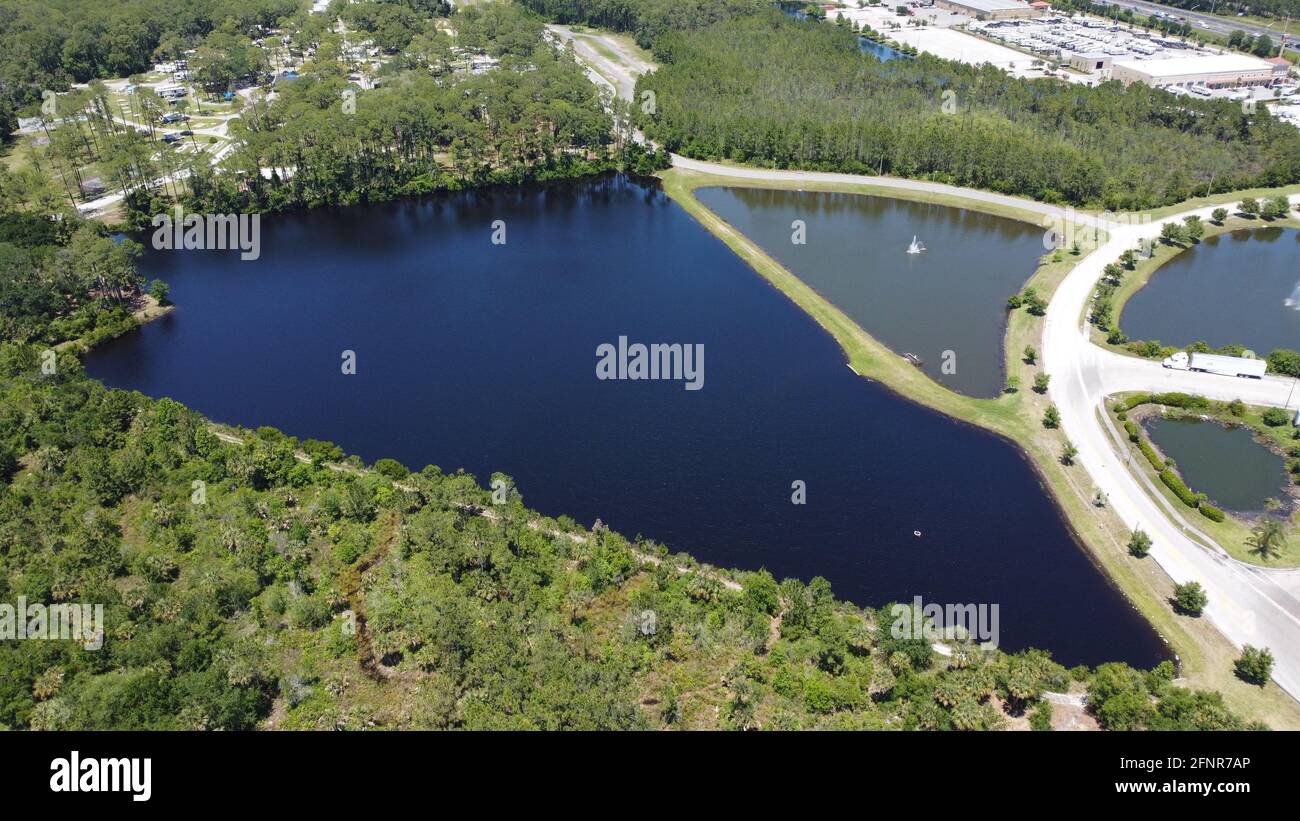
<point>392,468</point>
<point>1190,598</point>
<point>1041,717</point>
<point>1151,455</point>
<point>1211,512</point>
<point>1180,489</point>
<point>1284,361</point>
<point>309,612</point>
<point>1180,400</point>
<point>1255,665</point>
<point>1140,544</point>
<point>1276,417</point>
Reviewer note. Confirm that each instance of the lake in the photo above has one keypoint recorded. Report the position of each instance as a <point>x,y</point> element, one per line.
<point>881,51</point>
<point>1226,464</point>
<point>1231,289</point>
<point>484,356</point>
<point>945,304</point>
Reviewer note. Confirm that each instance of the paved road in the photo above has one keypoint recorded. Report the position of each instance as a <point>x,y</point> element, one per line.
<point>620,74</point>
<point>1249,605</point>
<point>1049,212</point>
<point>1209,22</point>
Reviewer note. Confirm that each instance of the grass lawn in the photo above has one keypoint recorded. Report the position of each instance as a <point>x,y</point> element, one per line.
<point>1205,655</point>
<point>1226,200</point>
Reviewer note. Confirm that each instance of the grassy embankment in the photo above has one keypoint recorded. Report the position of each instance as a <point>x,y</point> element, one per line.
<point>1206,656</point>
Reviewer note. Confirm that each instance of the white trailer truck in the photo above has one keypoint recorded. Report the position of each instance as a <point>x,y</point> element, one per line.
<point>1216,363</point>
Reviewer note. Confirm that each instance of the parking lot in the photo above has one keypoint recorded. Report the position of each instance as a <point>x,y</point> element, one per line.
<point>1058,36</point>
<point>935,31</point>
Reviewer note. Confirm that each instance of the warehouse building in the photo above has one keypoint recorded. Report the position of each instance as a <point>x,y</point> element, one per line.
<point>989,9</point>
<point>1208,70</point>
<point>1092,62</point>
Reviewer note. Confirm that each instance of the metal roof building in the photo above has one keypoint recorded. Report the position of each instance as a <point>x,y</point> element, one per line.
<point>1209,70</point>
<point>989,9</point>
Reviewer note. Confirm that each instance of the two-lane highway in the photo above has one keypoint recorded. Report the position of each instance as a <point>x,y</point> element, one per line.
<point>1210,22</point>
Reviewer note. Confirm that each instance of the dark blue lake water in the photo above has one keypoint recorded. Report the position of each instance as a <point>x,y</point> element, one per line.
<point>1238,288</point>
<point>483,356</point>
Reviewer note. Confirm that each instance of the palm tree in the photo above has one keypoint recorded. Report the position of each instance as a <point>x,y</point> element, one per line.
<point>1268,539</point>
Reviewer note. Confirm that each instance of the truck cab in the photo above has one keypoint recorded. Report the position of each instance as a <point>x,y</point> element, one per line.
<point>1177,361</point>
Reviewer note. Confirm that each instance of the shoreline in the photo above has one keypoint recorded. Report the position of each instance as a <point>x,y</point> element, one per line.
<point>148,311</point>
<point>1203,653</point>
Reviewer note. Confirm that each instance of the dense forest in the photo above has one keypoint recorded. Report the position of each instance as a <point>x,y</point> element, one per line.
<point>770,90</point>
<point>744,82</point>
<point>272,583</point>
<point>59,284</point>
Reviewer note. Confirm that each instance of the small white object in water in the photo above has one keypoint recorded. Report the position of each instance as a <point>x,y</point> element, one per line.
<point>916,533</point>
<point>916,247</point>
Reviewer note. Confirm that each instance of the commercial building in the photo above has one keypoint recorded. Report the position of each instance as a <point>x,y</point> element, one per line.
<point>1208,70</point>
<point>989,9</point>
<point>1281,66</point>
<point>1091,62</point>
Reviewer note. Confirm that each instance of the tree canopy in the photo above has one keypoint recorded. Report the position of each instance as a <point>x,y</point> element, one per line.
<point>767,89</point>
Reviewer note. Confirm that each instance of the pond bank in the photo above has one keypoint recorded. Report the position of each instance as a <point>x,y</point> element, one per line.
<point>1233,532</point>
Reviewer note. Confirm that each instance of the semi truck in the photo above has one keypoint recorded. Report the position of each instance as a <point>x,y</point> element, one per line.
<point>1217,363</point>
